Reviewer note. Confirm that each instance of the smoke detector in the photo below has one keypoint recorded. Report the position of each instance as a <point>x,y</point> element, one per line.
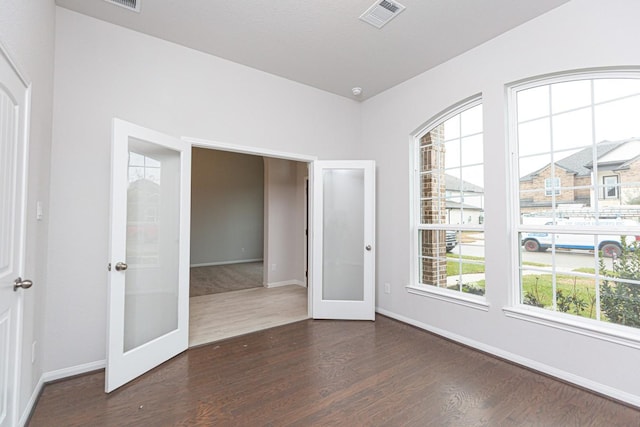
<point>133,5</point>
<point>381,12</point>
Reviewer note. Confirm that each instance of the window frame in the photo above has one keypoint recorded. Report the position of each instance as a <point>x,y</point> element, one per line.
<point>415,287</point>
<point>554,188</point>
<point>606,187</point>
<point>623,335</point>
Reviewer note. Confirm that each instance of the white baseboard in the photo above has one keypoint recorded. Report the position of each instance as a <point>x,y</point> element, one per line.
<point>53,376</point>
<point>285,283</point>
<point>239,261</point>
<point>73,370</point>
<point>596,387</point>
<point>31,403</point>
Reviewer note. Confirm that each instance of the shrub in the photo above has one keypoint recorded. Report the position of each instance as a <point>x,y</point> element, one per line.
<point>620,301</point>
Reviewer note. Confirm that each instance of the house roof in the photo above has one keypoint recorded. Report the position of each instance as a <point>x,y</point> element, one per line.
<point>581,163</point>
<point>456,184</point>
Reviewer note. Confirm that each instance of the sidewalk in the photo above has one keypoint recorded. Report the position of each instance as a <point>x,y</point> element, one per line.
<point>472,278</point>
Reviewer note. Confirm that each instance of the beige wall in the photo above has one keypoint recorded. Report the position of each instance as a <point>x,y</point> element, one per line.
<point>227,207</point>
<point>284,222</point>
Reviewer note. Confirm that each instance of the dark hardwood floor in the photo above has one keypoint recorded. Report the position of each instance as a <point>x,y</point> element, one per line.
<point>340,373</point>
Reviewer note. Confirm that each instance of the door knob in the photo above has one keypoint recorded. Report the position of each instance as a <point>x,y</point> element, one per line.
<point>19,283</point>
<point>368,247</point>
<point>121,266</point>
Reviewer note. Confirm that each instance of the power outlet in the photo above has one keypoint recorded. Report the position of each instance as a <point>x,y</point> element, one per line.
<point>387,288</point>
<point>273,267</point>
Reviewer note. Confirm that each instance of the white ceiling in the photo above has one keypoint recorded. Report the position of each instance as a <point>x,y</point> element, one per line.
<point>322,43</point>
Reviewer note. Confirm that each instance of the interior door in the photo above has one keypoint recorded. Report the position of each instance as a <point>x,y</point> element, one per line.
<point>343,233</point>
<point>14,123</point>
<point>149,253</point>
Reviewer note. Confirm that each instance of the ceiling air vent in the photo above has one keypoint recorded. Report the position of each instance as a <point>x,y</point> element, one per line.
<point>128,4</point>
<point>382,12</point>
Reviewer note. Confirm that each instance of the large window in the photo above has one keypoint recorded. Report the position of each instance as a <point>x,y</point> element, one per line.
<point>577,147</point>
<point>450,202</point>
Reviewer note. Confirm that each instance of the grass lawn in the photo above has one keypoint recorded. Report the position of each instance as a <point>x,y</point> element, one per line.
<point>453,265</point>
<point>579,288</point>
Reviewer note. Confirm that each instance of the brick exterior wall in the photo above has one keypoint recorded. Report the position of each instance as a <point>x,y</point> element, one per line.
<point>567,195</point>
<point>628,195</point>
<point>433,208</point>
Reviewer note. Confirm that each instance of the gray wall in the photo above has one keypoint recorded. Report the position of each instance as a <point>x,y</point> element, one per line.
<point>578,34</point>
<point>227,205</point>
<point>105,71</point>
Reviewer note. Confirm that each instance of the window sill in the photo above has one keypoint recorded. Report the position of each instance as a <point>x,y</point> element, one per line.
<point>455,297</point>
<point>617,334</point>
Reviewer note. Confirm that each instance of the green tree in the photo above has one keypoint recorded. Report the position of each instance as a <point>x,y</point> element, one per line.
<point>620,301</point>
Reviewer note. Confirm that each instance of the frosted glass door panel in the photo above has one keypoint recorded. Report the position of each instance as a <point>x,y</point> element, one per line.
<point>343,235</point>
<point>152,247</point>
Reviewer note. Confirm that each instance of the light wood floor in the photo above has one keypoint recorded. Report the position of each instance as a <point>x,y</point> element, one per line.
<point>219,316</point>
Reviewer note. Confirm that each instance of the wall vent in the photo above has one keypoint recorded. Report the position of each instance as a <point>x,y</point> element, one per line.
<point>381,12</point>
<point>128,4</point>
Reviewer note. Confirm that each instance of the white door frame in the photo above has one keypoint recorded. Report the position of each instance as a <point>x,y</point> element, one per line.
<point>264,152</point>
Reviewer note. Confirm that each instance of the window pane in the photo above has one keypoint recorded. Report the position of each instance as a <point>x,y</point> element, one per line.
<point>471,150</point>
<point>630,193</point>
<point>452,153</point>
<point>620,302</point>
<point>572,130</point>
<point>432,211</point>
<point>534,137</point>
<point>534,166</point>
<point>452,128</point>
<point>570,95</point>
<point>618,120</point>
<point>608,89</point>
<point>473,177</point>
<point>433,260</point>
<point>136,159</point>
<point>471,121</point>
<point>533,103</point>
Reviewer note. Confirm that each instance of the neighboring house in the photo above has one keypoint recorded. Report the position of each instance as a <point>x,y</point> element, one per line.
<point>618,166</point>
<point>465,201</point>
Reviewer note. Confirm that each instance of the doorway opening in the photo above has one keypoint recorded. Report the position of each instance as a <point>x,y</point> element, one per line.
<point>248,243</point>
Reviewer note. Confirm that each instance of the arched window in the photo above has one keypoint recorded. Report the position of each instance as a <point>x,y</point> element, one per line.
<point>576,151</point>
<point>449,203</point>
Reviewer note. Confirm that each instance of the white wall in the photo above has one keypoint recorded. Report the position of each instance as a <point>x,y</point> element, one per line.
<point>580,34</point>
<point>27,31</point>
<point>104,71</point>
<point>284,222</point>
<point>227,207</point>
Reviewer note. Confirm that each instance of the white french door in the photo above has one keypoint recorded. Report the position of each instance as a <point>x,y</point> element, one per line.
<point>149,251</point>
<point>343,239</point>
<point>14,125</point>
